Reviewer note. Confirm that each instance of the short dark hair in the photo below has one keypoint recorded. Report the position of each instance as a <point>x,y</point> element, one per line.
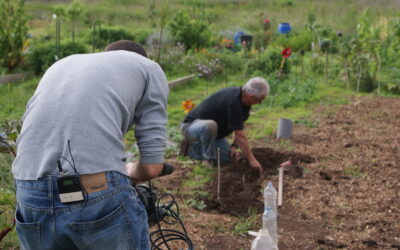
<point>126,45</point>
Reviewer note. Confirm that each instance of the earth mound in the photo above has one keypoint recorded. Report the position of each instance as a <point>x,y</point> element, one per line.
<point>240,185</point>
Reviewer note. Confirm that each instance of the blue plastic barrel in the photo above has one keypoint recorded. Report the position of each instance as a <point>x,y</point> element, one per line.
<point>284,28</point>
<point>236,37</point>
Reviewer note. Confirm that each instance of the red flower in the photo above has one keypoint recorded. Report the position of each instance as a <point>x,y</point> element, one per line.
<point>266,20</point>
<point>286,52</point>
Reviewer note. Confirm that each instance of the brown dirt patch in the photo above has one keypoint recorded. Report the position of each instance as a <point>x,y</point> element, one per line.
<point>241,185</point>
<point>349,194</point>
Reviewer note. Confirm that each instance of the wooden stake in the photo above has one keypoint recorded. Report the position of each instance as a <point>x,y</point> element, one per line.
<point>219,173</point>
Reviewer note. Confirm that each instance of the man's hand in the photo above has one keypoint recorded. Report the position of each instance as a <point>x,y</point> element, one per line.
<point>143,172</point>
<point>130,168</point>
<point>255,164</point>
<point>235,154</point>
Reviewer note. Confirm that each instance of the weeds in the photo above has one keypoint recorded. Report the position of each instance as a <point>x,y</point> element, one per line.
<point>245,223</point>
<point>197,204</point>
<point>199,176</point>
<point>307,123</point>
<point>354,171</point>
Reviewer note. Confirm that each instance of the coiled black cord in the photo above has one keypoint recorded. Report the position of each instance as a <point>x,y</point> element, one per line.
<point>161,237</point>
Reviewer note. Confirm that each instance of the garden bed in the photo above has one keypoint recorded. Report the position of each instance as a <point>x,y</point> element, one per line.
<point>347,198</point>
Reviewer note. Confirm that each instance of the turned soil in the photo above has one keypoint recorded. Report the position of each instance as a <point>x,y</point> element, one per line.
<point>344,191</point>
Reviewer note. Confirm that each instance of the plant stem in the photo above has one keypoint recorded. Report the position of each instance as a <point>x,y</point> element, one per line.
<point>326,65</point>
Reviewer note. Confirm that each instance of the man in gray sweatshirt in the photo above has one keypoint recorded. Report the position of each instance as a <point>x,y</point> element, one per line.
<point>72,132</point>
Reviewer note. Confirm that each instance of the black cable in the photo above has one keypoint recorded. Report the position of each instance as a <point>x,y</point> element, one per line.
<point>69,148</point>
<point>157,219</point>
<point>167,235</point>
<point>62,157</point>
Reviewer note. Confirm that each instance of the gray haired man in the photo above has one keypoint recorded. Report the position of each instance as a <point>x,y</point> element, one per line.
<point>220,114</point>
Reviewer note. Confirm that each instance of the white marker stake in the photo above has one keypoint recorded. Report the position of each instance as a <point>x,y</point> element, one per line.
<point>280,186</point>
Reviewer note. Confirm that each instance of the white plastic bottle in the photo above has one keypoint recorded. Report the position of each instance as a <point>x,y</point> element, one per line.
<point>262,241</point>
<point>269,218</point>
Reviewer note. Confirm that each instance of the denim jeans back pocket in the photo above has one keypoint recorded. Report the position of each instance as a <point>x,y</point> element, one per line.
<point>112,231</point>
<point>28,229</point>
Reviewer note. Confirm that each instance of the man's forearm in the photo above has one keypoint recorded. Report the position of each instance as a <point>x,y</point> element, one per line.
<point>143,172</point>
<point>243,143</point>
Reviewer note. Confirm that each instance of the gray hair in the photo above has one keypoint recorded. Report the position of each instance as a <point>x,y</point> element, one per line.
<point>257,86</point>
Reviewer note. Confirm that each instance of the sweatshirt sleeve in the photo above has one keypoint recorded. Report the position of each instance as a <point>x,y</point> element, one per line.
<point>151,117</point>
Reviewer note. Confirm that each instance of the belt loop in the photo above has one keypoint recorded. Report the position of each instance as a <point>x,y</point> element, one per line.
<point>113,179</point>
<point>50,190</point>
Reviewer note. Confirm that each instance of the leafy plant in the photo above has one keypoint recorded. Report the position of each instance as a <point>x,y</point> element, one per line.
<point>101,35</point>
<point>365,54</point>
<point>298,41</point>
<point>246,223</point>
<point>189,30</point>
<point>140,35</point>
<point>267,62</point>
<point>13,33</point>
<point>197,204</point>
<point>294,91</point>
<point>74,14</point>
<point>173,59</point>
<point>232,62</point>
<point>393,83</point>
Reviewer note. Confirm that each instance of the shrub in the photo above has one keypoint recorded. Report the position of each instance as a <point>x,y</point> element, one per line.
<point>140,35</point>
<point>391,79</point>
<point>172,58</point>
<point>43,56</point>
<point>189,30</point>
<point>268,62</point>
<point>13,33</point>
<point>206,63</point>
<point>231,61</point>
<point>100,36</point>
<point>293,91</point>
<point>298,41</point>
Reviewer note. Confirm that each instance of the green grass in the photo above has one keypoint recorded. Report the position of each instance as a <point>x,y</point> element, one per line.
<point>7,201</point>
<point>14,97</point>
<point>199,176</point>
<point>226,15</point>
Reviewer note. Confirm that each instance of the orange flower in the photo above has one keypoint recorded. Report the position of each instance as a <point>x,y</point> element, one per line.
<point>187,105</point>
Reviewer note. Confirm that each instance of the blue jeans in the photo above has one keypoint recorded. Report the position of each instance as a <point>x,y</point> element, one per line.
<point>110,219</point>
<point>203,142</point>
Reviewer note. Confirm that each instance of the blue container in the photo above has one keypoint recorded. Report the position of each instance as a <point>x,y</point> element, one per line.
<point>236,37</point>
<point>284,28</point>
<point>247,39</point>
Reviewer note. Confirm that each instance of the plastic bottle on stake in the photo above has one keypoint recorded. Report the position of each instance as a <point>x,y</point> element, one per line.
<point>269,218</point>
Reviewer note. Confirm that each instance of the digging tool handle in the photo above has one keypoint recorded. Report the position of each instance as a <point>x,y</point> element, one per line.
<point>167,169</point>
